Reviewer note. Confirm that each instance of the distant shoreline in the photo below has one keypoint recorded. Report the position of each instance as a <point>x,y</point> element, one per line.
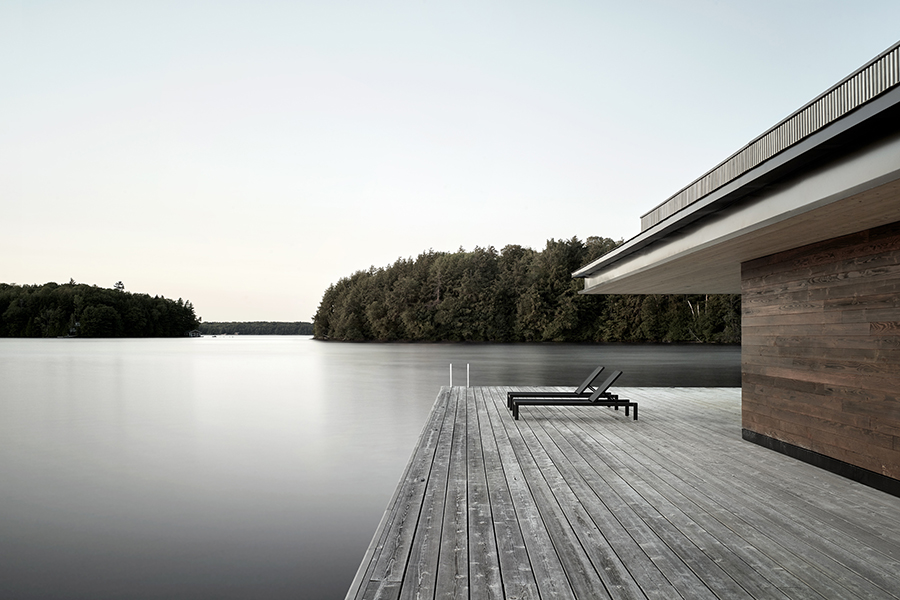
<point>256,328</point>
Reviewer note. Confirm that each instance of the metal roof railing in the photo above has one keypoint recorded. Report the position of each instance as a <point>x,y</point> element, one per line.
<point>871,80</point>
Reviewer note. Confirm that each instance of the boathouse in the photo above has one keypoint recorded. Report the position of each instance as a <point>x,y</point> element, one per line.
<point>804,223</point>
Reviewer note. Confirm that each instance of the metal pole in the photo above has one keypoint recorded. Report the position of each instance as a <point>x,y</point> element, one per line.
<point>467,374</point>
<point>451,374</point>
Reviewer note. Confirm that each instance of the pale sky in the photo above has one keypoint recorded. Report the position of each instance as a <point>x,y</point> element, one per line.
<point>245,155</point>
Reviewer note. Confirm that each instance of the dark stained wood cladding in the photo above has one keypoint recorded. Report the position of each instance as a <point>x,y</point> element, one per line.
<point>821,348</point>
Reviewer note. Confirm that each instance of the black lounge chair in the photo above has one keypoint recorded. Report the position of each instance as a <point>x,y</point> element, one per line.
<point>600,397</point>
<point>582,391</point>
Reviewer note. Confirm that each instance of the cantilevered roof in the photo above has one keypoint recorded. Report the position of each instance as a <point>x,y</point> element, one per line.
<point>831,168</point>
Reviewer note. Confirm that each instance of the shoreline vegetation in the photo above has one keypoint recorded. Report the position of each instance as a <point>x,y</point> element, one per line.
<point>513,295</point>
<point>81,310</point>
<point>256,328</point>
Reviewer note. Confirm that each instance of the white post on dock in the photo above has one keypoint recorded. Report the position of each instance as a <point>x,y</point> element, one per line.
<point>467,374</point>
<point>451,374</point>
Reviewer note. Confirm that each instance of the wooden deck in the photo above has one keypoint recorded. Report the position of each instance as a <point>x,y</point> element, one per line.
<point>574,502</point>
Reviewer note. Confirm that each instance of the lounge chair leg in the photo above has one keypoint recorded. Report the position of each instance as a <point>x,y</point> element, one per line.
<point>635,411</point>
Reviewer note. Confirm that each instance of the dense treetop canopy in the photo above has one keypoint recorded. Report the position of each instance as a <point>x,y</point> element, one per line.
<point>77,309</point>
<point>513,295</point>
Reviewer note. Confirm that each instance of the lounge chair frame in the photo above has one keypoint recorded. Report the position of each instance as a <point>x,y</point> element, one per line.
<point>582,391</point>
<point>599,397</point>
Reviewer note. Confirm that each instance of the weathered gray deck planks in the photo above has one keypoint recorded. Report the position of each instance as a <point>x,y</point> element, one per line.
<point>582,502</point>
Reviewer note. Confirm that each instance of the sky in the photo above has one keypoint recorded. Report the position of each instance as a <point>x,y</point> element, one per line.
<point>246,155</point>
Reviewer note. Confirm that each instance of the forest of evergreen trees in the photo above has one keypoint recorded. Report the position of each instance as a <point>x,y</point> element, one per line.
<point>257,328</point>
<point>513,295</point>
<point>77,309</point>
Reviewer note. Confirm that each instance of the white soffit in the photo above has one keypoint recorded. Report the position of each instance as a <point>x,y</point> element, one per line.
<point>858,192</point>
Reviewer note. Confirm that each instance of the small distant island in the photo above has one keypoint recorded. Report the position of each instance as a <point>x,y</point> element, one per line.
<point>256,328</point>
<point>81,310</point>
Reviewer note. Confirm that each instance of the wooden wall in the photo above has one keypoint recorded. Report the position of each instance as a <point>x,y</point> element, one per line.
<point>821,349</point>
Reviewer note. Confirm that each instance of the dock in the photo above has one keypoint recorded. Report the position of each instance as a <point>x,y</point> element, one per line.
<point>582,502</point>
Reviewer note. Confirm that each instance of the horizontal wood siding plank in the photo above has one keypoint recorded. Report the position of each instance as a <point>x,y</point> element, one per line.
<point>802,293</point>
<point>836,280</point>
<point>804,351</point>
<point>806,296</point>
<point>865,342</point>
<point>886,383</point>
<point>851,366</point>
<point>818,330</point>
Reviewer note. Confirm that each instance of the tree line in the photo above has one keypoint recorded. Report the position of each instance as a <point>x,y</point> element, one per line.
<point>513,295</point>
<point>77,309</point>
<point>257,328</point>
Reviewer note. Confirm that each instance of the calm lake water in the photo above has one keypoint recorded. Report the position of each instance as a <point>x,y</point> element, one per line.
<point>238,467</point>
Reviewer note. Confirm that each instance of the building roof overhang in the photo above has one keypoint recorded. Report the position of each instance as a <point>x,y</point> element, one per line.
<point>840,179</point>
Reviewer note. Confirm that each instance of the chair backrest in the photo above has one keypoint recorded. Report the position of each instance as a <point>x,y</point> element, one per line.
<point>588,381</point>
<point>604,386</point>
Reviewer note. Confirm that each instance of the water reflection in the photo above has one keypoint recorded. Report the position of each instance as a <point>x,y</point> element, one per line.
<point>237,467</point>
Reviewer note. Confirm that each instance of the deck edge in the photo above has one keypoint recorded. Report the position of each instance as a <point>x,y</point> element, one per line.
<point>357,585</point>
